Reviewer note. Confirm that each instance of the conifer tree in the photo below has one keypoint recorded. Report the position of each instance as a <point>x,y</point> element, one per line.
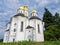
<point>56,18</point>
<point>47,18</point>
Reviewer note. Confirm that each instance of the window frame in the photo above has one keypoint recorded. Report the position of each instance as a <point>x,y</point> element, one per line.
<point>38,28</point>
<point>22,26</point>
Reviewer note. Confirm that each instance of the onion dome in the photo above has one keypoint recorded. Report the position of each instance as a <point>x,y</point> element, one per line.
<point>25,8</point>
<point>33,11</point>
<point>20,8</point>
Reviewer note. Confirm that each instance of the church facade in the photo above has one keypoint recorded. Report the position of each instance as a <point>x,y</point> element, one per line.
<point>24,28</point>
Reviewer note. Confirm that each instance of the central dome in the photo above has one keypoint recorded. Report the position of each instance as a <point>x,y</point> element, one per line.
<point>25,8</point>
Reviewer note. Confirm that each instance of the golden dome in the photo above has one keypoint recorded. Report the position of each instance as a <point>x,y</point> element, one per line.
<point>25,8</point>
<point>20,8</point>
<point>33,11</point>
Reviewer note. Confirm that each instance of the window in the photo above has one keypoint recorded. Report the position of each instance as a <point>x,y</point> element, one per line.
<point>21,26</point>
<point>38,29</point>
<point>14,30</point>
<point>21,11</point>
<point>29,31</point>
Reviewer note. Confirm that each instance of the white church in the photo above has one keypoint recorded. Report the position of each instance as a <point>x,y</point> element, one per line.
<point>24,28</point>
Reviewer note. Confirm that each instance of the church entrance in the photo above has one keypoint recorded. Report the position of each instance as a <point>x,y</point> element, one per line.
<point>13,40</point>
<point>30,38</point>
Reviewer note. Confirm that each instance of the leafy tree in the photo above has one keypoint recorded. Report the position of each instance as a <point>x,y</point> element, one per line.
<point>52,32</point>
<point>47,18</point>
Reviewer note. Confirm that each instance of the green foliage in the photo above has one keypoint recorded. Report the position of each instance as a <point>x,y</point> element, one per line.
<point>1,40</point>
<point>33,43</point>
<point>47,18</point>
<point>57,19</point>
<point>52,33</point>
<point>52,25</point>
<point>23,43</point>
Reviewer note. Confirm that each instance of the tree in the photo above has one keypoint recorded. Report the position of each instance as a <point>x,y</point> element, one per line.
<point>52,32</point>
<point>52,25</point>
<point>1,40</point>
<point>47,18</point>
<point>57,19</point>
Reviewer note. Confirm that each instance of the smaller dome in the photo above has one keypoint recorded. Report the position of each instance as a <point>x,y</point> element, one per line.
<point>20,8</point>
<point>33,11</point>
<point>26,8</point>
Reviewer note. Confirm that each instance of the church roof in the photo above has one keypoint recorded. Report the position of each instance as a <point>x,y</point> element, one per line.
<point>35,17</point>
<point>29,27</point>
<point>19,14</point>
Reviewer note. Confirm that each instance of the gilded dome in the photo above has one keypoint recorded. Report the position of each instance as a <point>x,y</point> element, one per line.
<point>20,8</point>
<point>33,11</point>
<point>25,8</point>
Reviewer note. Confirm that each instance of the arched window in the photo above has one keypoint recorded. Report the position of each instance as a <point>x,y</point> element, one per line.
<point>14,30</point>
<point>38,29</point>
<point>21,26</point>
<point>21,11</point>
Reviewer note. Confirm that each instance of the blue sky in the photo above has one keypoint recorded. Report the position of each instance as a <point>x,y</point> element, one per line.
<point>8,8</point>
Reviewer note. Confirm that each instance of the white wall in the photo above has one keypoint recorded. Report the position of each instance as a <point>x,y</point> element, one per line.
<point>38,36</point>
<point>11,36</point>
<point>6,33</point>
<point>21,36</point>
